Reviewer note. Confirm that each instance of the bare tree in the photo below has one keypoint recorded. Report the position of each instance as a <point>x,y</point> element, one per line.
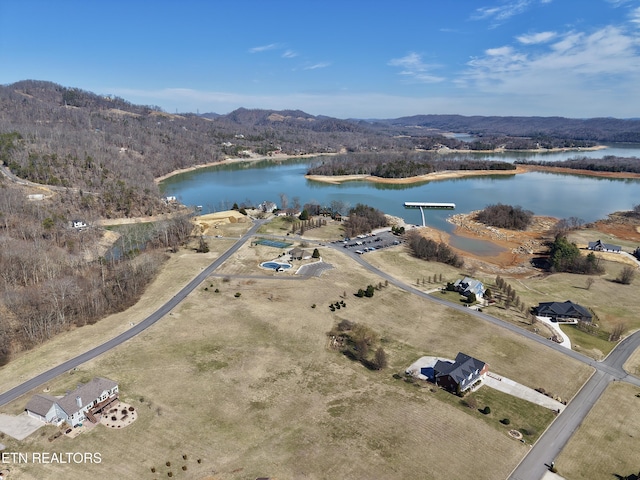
<point>589,283</point>
<point>380,361</point>
<point>627,275</point>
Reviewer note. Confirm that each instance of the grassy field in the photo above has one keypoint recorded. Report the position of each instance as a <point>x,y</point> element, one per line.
<point>633,364</point>
<point>607,443</point>
<point>612,302</point>
<point>248,385</point>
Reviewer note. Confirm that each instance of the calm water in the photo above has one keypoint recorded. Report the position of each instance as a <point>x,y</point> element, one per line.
<point>561,196</point>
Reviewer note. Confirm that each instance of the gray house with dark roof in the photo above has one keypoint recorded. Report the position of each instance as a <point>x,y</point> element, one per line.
<point>559,311</point>
<point>461,374</point>
<point>598,246</point>
<point>83,403</point>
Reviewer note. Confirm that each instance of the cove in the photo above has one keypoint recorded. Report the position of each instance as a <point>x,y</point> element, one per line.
<point>549,194</point>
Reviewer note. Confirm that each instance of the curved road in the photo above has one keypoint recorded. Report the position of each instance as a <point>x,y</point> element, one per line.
<point>49,375</point>
<point>532,467</point>
<point>536,463</point>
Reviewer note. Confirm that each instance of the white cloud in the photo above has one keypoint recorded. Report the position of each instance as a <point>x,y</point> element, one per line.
<point>503,12</point>
<point>580,71</point>
<point>289,54</point>
<point>315,66</point>
<point>536,38</point>
<point>413,67</point>
<point>635,16</point>
<point>264,48</point>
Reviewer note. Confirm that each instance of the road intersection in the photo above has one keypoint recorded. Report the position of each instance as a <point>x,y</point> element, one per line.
<point>532,467</point>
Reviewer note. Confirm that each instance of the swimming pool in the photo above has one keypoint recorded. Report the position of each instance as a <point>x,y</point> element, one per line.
<point>275,265</point>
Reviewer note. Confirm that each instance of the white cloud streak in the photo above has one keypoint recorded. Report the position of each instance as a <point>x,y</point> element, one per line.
<point>264,48</point>
<point>536,38</point>
<point>502,13</point>
<point>414,68</point>
<point>316,66</point>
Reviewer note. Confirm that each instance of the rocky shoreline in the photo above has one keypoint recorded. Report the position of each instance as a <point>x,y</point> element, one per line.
<point>520,243</point>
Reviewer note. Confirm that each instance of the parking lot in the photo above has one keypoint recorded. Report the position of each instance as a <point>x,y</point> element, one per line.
<point>369,242</point>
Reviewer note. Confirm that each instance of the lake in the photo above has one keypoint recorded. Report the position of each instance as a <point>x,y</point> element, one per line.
<point>557,195</point>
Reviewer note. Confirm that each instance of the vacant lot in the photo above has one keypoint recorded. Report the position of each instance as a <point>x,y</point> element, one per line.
<point>607,443</point>
<point>248,385</point>
<point>612,302</point>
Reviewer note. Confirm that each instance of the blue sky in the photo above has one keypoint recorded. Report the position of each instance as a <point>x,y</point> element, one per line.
<point>347,58</point>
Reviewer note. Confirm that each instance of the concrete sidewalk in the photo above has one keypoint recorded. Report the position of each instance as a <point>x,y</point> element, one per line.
<point>510,387</point>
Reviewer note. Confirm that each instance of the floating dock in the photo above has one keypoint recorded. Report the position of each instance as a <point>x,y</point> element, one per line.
<point>429,205</point>
<point>435,205</point>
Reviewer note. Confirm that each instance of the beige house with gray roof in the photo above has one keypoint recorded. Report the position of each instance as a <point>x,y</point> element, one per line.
<point>81,404</point>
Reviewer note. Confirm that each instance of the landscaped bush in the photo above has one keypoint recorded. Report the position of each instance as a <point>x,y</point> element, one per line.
<point>486,410</point>
<point>505,421</point>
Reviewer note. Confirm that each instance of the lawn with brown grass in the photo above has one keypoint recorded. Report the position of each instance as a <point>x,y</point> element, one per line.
<point>248,385</point>
<point>607,443</point>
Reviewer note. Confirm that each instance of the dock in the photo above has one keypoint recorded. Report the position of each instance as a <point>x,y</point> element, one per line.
<point>431,206</point>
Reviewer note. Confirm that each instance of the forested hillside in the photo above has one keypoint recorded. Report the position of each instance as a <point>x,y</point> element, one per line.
<point>98,156</point>
<point>604,130</point>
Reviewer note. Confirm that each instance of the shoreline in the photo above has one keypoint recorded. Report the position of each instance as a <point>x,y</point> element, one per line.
<point>452,174</point>
<point>444,175</point>
<point>230,160</point>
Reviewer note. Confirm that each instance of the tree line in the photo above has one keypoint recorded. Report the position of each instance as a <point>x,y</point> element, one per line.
<point>430,250</point>
<point>400,165</point>
<point>609,163</point>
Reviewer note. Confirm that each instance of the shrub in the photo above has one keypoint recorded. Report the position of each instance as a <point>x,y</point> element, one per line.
<point>168,464</point>
<point>505,421</point>
<point>486,410</point>
<point>626,275</point>
<point>237,295</point>
<point>313,306</point>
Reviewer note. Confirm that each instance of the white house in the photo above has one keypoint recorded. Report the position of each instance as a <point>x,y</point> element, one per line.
<point>268,207</point>
<point>83,403</point>
<point>79,224</point>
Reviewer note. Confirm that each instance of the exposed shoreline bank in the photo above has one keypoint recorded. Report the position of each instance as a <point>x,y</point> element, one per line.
<point>430,177</point>
<point>226,161</point>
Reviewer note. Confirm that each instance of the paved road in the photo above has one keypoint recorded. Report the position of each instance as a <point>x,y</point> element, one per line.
<point>551,443</point>
<point>532,467</point>
<point>49,375</point>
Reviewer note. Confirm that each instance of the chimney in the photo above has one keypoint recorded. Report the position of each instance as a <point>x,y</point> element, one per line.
<point>79,402</point>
